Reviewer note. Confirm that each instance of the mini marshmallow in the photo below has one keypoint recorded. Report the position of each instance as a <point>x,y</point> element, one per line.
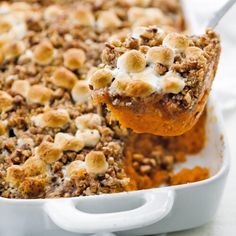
<point>52,13</point>
<point>90,136</point>
<point>193,52</point>
<point>6,101</point>
<point>55,118</point>
<point>13,49</point>
<point>144,17</point>
<point>176,42</point>
<point>135,13</point>
<point>81,92</point>
<point>43,53</point>
<point>68,142</point>
<point>35,166</point>
<point>21,86</point>
<point>82,16</point>
<point>101,78</point>
<point>76,168</point>
<point>39,94</point>
<point>48,152</point>
<point>96,162</point>
<point>172,83</point>
<point>5,25</point>
<point>15,174</point>
<point>120,84</point>
<point>88,121</point>
<point>131,61</point>
<point>162,55</point>
<point>108,20</point>
<point>52,118</point>
<point>139,88</point>
<point>74,58</point>
<point>64,78</point>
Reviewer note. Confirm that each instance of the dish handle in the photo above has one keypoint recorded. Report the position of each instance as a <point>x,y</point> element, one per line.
<point>152,206</point>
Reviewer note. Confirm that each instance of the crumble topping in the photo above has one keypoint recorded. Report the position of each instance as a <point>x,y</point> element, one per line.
<point>151,61</point>
<point>54,142</point>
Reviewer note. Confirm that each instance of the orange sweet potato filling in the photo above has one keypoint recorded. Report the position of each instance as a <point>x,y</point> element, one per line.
<point>189,143</point>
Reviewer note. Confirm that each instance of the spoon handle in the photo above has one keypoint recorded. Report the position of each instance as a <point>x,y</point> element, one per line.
<point>220,13</point>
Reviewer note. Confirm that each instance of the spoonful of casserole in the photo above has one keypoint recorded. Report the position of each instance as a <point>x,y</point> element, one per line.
<point>155,81</point>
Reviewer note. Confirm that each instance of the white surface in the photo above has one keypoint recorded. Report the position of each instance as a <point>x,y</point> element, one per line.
<point>225,88</point>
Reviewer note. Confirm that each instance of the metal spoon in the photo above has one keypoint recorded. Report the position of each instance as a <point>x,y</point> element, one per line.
<point>217,16</point>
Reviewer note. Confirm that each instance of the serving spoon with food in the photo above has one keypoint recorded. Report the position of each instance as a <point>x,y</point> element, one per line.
<point>158,82</point>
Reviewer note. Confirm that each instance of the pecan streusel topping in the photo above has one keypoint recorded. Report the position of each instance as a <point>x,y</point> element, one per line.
<point>54,142</point>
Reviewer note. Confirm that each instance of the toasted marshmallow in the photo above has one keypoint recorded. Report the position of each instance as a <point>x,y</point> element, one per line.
<point>90,136</point>
<point>39,94</point>
<point>21,86</point>
<point>48,152</point>
<point>55,118</point>
<point>101,78</point>
<point>43,53</point>
<point>88,121</point>
<point>172,83</point>
<point>5,25</point>
<point>108,20</point>
<point>64,78</point>
<point>6,101</point>
<point>82,16</point>
<point>15,174</point>
<point>193,52</point>
<point>151,16</point>
<point>176,42</point>
<point>162,55</point>
<point>144,17</point>
<point>35,166</point>
<point>96,162</point>
<point>74,58</point>
<point>68,142</point>
<point>120,84</point>
<point>131,61</point>
<point>52,13</point>
<point>13,49</point>
<point>81,92</point>
<point>2,128</point>
<point>135,13</point>
<point>140,3</point>
<point>139,88</point>
<point>76,168</point>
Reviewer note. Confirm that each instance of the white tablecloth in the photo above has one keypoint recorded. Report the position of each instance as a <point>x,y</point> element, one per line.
<point>224,223</point>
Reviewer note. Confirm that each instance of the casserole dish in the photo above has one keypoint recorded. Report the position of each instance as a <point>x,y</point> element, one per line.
<point>141,212</point>
<point>134,213</point>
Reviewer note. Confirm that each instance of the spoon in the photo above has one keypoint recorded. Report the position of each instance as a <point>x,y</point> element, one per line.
<point>218,15</point>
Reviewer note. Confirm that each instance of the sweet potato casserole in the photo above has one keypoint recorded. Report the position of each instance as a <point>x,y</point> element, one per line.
<point>54,142</point>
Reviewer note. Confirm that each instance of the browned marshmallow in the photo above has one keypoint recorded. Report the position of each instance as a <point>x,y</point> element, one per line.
<point>64,78</point>
<point>96,162</point>
<point>48,152</point>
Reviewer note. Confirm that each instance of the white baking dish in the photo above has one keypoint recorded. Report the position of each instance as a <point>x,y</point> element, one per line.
<point>143,212</point>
